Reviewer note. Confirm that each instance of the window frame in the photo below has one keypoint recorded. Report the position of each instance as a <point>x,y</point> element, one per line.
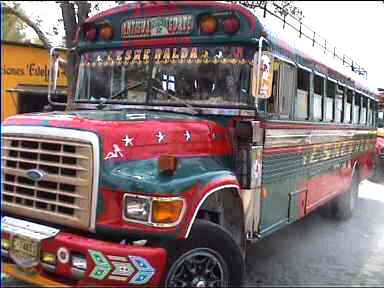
<point>322,77</point>
<point>310,72</point>
<point>347,95</point>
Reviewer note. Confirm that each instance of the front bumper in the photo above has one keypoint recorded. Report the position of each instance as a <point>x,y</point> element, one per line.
<point>107,263</point>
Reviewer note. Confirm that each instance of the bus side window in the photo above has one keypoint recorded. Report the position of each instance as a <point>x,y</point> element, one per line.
<point>348,107</point>
<point>363,116</point>
<point>380,118</point>
<point>286,90</point>
<point>282,90</point>
<point>318,97</point>
<point>339,96</point>
<point>369,112</point>
<point>272,101</point>
<point>331,101</point>
<point>301,104</point>
<point>356,108</point>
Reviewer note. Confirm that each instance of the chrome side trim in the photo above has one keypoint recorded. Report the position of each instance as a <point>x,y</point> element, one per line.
<point>4,253</point>
<point>289,137</point>
<point>304,68</point>
<point>69,134</point>
<point>48,267</point>
<point>202,201</point>
<point>28,229</point>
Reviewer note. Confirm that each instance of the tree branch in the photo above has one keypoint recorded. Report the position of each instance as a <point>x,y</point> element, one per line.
<point>30,23</point>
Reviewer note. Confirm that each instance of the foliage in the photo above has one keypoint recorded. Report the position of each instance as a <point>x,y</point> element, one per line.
<point>17,22</point>
<point>12,27</point>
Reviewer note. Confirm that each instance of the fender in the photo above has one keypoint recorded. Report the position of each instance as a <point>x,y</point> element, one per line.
<point>205,195</point>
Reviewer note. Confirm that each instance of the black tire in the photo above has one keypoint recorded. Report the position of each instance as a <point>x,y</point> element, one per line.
<point>326,210</point>
<point>342,207</point>
<point>378,172</point>
<point>209,245</point>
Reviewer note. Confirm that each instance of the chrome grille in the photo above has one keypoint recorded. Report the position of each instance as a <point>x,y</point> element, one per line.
<point>63,195</point>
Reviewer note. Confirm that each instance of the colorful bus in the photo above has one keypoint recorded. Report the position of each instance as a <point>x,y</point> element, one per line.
<point>193,133</point>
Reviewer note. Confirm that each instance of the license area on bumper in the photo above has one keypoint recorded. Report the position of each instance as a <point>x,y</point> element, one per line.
<point>87,261</point>
<point>25,247</point>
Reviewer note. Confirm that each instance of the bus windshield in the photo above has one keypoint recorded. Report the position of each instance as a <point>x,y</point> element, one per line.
<point>217,76</point>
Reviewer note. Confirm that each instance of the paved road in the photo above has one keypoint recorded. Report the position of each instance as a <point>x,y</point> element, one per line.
<point>317,251</point>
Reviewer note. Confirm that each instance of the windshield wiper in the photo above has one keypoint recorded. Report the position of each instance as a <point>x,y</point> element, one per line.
<point>125,89</point>
<point>194,109</point>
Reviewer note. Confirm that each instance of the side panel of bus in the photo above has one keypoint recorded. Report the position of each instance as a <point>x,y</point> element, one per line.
<point>305,168</point>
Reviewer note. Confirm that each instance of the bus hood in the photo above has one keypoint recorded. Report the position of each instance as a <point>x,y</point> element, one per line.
<point>138,135</point>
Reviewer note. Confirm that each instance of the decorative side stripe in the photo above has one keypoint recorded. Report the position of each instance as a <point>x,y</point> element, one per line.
<point>121,268</point>
<point>292,137</point>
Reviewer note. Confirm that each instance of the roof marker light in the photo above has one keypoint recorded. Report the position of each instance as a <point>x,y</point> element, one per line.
<point>90,34</point>
<point>231,24</point>
<point>106,32</point>
<point>208,24</point>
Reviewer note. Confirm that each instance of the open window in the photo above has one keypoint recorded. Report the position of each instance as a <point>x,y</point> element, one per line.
<point>318,97</point>
<point>369,113</point>
<point>364,108</point>
<point>283,87</point>
<point>378,116</point>
<point>356,108</point>
<point>348,106</point>
<point>339,100</point>
<point>302,99</point>
<point>330,101</point>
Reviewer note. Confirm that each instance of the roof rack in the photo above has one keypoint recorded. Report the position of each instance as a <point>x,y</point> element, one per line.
<point>295,22</point>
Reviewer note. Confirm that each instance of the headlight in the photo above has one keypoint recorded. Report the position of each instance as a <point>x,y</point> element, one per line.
<point>154,211</point>
<point>136,208</point>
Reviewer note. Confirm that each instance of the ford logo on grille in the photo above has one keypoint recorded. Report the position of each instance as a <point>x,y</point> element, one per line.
<point>35,174</point>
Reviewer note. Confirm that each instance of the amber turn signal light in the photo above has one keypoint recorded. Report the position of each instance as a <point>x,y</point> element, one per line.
<point>208,24</point>
<point>167,163</point>
<point>166,212</point>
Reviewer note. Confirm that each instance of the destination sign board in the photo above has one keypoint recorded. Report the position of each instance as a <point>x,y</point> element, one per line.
<point>157,26</point>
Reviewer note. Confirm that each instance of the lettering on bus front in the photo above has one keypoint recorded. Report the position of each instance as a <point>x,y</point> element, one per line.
<point>182,55</point>
<point>157,26</point>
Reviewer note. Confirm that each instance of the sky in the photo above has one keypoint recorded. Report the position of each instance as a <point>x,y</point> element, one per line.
<point>355,27</point>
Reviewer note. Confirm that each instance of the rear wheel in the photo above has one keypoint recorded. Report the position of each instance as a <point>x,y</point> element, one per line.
<point>208,258</point>
<point>342,207</point>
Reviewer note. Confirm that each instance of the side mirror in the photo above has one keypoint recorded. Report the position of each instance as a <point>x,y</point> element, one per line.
<point>55,62</point>
<point>262,75</point>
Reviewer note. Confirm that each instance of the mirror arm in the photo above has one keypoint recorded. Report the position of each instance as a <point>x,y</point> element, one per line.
<point>56,72</point>
<point>261,39</point>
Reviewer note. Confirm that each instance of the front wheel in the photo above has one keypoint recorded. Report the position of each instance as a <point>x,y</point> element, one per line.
<point>208,258</point>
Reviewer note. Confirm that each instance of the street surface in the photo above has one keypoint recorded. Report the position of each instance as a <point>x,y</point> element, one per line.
<point>318,251</point>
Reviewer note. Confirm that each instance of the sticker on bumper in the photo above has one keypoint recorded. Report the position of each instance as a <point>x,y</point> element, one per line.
<point>121,268</point>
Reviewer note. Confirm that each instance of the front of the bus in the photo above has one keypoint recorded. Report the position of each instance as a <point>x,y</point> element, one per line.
<point>85,191</point>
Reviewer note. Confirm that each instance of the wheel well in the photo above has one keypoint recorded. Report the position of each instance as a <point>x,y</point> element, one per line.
<point>224,208</point>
